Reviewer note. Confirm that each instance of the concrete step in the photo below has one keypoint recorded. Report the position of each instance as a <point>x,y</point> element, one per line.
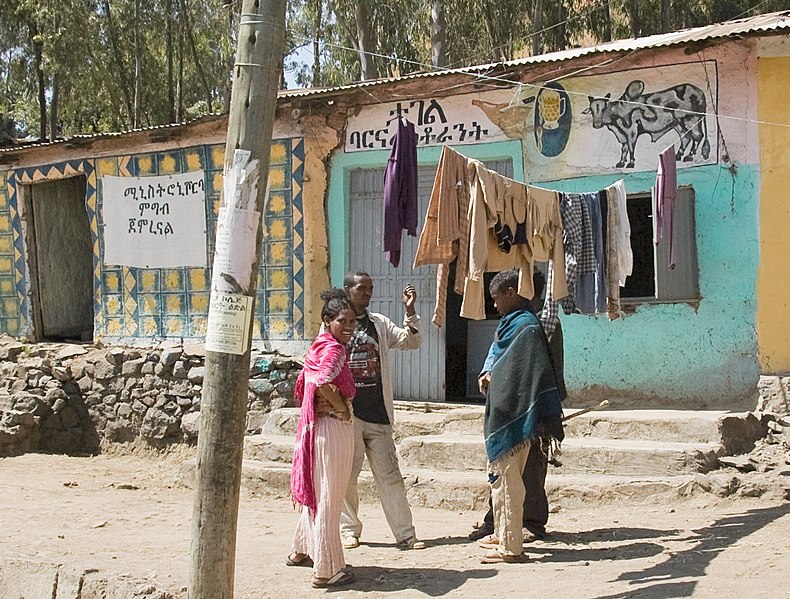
<point>469,490</point>
<point>735,431</point>
<point>460,452</point>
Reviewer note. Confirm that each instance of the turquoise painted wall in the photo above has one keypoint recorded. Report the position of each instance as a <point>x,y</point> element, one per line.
<point>344,163</point>
<point>707,355</point>
<point>672,354</point>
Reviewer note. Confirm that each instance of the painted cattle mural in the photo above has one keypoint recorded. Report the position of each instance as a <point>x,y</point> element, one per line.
<point>680,108</point>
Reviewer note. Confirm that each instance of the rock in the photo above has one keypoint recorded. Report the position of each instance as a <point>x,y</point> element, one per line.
<point>85,383</point>
<point>147,368</point>
<point>69,417</point>
<point>104,370</point>
<point>11,349</point>
<point>196,374</point>
<point>284,388</point>
<point>140,407</point>
<point>61,373</point>
<point>160,369</point>
<point>44,380</point>
<point>69,351</point>
<point>111,399</point>
<point>172,407</point>
<point>158,424</point>
<point>276,376</point>
<point>77,370</point>
<point>742,463</point>
<point>774,394</point>
<point>169,356</point>
<point>114,356</point>
<point>255,421</point>
<point>55,394</point>
<point>180,370</point>
<point>124,410</point>
<point>133,367</point>
<point>282,363</point>
<point>261,387</point>
<point>264,364</point>
<point>195,350</point>
<point>25,402</point>
<point>58,405</point>
<point>184,402</point>
<point>190,425</point>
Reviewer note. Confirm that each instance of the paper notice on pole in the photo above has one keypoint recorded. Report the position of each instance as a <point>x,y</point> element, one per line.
<point>228,323</point>
<point>234,250</point>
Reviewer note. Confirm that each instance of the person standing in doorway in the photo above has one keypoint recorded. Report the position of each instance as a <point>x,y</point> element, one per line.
<point>369,361</point>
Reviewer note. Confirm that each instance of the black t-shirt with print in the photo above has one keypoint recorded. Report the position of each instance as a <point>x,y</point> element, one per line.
<point>364,360</point>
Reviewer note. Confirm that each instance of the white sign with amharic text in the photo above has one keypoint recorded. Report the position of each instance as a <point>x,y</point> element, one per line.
<point>155,222</point>
<point>451,120</point>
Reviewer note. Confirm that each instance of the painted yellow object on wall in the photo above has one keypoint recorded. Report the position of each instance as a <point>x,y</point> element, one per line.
<point>773,280</point>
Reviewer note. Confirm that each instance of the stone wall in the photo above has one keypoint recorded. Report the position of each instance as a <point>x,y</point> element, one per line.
<point>76,398</point>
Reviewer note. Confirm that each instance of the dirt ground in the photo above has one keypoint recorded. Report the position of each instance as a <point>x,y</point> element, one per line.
<point>128,515</point>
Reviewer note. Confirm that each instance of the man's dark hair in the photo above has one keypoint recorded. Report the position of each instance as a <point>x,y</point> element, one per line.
<point>539,283</point>
<point>503,280</point>
<point>335,301</point>
<point>348,280</point>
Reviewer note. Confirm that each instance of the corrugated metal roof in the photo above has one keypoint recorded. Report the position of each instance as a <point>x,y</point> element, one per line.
<point>748,26</point>
<point>739,27</point>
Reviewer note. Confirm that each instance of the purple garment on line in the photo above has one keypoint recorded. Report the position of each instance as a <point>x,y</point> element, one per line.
<point>664,195</point>
<point>400,190</point>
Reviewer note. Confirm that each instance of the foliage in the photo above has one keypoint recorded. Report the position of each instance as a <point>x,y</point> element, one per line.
<point>82,66</point>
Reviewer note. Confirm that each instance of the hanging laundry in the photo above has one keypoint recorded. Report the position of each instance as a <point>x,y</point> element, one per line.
<point>616,192</point>
<point>591,283</point>
<point>664,195</point>
<point>466,203</point>
<point>400,190</point>
<point>573,233</point>
<point>445,234</point>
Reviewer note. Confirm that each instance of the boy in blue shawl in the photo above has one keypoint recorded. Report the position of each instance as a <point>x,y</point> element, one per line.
<point>522,405</point>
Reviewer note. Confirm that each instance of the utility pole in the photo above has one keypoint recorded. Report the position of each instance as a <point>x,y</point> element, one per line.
<point>256,80</point>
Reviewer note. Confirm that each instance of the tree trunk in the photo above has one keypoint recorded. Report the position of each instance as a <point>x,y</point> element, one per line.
<point>634,19</point>
<point>53,107</point>
<point>180,84</point>
<point>666,16</point>
<point>120,67</point>
<point>438,34</point>
<point>537,26</point>
<point>607,22</point>
<point>198,66</point>
<point>561,33</point>
<point>42,88</point>
<point>368,68</point>
<point>319,16</point>
<point>171,92</point>
<point>137,66</point>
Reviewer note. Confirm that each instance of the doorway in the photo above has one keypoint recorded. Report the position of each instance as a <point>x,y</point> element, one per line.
<point>60,260</point>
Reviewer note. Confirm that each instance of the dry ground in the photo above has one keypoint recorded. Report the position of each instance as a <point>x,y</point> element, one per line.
<point>127,514</point>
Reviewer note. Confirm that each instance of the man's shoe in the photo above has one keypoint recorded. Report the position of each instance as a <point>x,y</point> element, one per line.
<point>350,542</point>
<point>478,532</point>
<point>412,543</point>
<point>530,537</point>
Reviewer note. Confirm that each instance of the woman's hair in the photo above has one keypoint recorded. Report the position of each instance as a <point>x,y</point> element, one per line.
<point>335,301</point>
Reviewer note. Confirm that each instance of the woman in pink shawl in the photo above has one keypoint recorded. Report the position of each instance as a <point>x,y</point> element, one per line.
<point>324,445</point>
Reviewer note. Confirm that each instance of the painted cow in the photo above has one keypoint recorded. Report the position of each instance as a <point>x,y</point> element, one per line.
<point>680,109</point>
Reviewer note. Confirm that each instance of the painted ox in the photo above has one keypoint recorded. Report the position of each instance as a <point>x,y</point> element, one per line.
<point>677,109</point>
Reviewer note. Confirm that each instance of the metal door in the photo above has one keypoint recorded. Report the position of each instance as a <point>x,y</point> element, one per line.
<point>417,374</point>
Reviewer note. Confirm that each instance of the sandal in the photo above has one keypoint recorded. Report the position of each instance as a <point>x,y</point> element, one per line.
<point>305,560</point>
<point>337,580</point>
<point>496,558</point>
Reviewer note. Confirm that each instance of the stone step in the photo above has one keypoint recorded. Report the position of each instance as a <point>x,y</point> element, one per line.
<point>460,452</point>
<point>735,431</point>
<point>470,490</point>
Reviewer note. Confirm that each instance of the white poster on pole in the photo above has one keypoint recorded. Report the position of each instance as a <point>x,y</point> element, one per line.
<point>228,323</point>
<point>155,222</point>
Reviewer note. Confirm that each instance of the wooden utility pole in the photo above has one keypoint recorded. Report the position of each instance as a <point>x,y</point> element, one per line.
<point>256,80</point>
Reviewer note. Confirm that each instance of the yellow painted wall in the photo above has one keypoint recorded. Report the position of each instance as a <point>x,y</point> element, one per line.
<point>773,281</point>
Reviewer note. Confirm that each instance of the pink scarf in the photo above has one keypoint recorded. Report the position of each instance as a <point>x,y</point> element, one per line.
<point>325,362</point>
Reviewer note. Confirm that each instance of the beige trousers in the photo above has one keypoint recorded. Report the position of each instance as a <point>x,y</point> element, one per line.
<point>507,498</point>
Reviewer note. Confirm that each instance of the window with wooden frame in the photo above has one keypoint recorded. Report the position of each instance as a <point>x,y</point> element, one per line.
<point>652,280</point>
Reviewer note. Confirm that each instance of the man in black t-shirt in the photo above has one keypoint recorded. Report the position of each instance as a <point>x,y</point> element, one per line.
<point>368,359</point>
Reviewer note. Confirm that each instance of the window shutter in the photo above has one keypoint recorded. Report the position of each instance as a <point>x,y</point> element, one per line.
<point>682,282</point>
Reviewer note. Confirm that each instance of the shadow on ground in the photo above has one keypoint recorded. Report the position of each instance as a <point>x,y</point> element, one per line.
<point>433,582</point>
<point>657,581</point>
